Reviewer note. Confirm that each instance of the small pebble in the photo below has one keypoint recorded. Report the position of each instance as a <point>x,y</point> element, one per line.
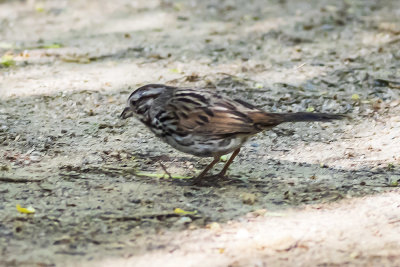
<point>248,198</point>
<point>183,220</point>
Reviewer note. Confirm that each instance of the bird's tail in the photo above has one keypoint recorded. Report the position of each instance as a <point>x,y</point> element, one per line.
<point>308,116</point>
<point>266,120</point>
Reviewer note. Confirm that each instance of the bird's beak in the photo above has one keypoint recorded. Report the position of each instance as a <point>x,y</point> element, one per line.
<point>126,113</point>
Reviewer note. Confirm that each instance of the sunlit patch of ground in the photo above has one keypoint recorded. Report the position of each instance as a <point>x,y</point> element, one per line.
<point>363,232</point>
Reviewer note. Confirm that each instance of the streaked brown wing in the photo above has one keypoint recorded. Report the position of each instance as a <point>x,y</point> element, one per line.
<point>207,114</point>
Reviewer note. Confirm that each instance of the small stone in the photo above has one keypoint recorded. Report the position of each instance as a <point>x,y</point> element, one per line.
<point>3,128</point>
<point>183,220</point>
<point>92,159</point>
<point>242,234</point>
<point>4,168</point>
<point>35,156</point>
<point>248,198</point>
<point>114,154</point>
<point>256,213</point>
<point>214,226</point>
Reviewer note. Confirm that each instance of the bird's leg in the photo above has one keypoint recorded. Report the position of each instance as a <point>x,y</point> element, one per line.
<point>209,167</point>
<point>233,156</point>
<point>215,161</point>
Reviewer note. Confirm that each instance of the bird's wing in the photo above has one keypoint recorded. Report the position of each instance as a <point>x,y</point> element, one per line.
<point>205,113</point>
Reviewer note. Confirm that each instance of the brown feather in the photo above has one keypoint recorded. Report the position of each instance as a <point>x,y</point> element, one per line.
<point>210,115</point>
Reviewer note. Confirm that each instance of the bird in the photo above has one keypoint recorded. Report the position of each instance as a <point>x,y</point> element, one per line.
<point>204,123</point>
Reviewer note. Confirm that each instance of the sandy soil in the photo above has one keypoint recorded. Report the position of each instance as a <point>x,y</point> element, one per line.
<point>300,195</point>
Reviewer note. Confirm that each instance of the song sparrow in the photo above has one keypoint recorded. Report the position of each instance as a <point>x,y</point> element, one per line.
<point>204,123</point>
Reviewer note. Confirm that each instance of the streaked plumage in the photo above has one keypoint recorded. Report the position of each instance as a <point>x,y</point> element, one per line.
<point>203,123</point>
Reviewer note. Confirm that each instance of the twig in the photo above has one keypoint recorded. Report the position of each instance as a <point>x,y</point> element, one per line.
<point>394,40</point>
<point>140,217</point>
<point>165,170</point>
<point>301,65</point>
<point>18,180</point>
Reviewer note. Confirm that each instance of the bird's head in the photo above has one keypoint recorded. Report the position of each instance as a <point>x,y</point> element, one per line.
<point>141,100</point>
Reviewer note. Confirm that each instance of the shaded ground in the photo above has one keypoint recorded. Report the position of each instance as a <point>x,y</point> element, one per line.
<point>68,67</point>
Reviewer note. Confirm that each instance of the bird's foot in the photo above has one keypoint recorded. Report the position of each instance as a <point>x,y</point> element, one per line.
<point>210,180</point>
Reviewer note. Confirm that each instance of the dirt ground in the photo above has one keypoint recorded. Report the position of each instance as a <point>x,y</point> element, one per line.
<point>303,194</point>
